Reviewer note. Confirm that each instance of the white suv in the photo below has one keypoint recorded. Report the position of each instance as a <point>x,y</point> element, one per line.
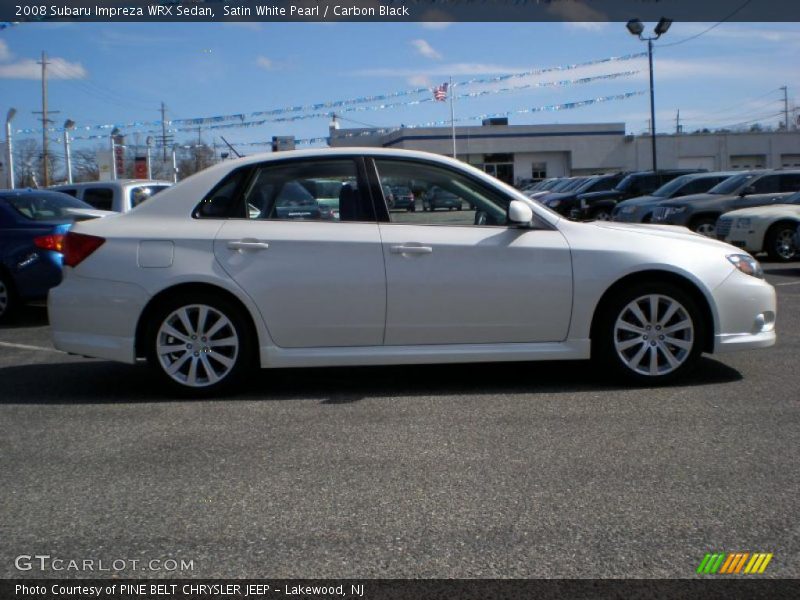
<point>119,195</point>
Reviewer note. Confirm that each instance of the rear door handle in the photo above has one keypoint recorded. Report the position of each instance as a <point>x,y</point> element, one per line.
<point>412,249</point>
<point>242,245</point>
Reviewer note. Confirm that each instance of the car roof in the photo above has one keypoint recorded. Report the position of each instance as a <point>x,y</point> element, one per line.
<point>8,193</point>
<point>111,182</point>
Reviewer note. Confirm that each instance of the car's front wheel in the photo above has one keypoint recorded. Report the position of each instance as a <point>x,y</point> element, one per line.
<point>779,241</point>
<point>706,226</point>
<point>200,344</point>
<point>650,333</point>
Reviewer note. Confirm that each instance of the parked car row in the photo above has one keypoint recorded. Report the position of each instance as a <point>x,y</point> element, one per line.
<point>774,229</point>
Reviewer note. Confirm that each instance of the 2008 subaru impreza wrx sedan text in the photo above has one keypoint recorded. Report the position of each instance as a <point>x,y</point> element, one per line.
<point>248,263</point>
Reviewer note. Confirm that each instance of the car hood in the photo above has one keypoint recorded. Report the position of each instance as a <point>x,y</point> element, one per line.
<point>607,195</point>
<point>691,199</point>
<point>766,212</point>
<point>640,201</point>
<point>667,232</point>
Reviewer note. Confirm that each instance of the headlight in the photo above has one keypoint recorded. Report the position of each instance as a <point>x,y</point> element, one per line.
<point>674,210</point>
<point>743,223</point>
<point>746,264</point>
<point>553,203</point>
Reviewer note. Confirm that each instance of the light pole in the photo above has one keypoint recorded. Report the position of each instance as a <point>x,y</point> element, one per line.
<point>68,124</point>
<point>9,151</point>
<point>114,135</point>
<point>149,142</point>
<point>636,28</point>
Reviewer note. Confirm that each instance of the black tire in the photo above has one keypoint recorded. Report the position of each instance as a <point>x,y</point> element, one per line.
<point>458,208</point>
<point>8,298</point>
<point>609,351</point>
<point>244,358</point>
<point>779,241</point>
<point>706,226</point>
<point>602,215</point>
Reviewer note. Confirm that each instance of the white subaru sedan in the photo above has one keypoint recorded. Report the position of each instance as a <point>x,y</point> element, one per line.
<point>242,265</point>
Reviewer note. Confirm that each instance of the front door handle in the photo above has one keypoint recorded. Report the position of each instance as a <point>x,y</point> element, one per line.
<point>247,244</point>
<point>403,249</point>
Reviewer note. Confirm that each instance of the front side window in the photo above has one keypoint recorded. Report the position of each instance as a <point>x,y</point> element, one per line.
<point>445,197</point>
<point>768,184</point>
<point>325,190</point>
<point>790,182</point>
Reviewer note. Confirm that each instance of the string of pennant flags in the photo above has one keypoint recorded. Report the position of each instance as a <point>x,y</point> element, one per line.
<point>318,110</point>
<point>372,132</point>
<point>261,122</point>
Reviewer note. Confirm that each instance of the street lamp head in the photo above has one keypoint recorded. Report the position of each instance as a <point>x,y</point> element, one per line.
<point>11,113</point>
<point>635,27</point>
<point>115,132</point>
<point>149,141</point>
<point>69,124</point>
<point>663,26</point>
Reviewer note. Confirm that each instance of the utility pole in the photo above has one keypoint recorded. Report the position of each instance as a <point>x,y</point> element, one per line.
<point>45,122</point>
<point>785,107</point>
<point>164,132</point>
<point>678,122</point>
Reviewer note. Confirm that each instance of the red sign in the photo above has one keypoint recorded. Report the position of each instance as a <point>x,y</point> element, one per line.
<point>140,168</point>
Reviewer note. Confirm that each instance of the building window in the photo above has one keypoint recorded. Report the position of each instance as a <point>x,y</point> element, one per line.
<point>538,171</point>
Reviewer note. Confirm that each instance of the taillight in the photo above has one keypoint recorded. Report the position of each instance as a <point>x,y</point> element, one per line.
<point>54,242</point>
<point>78,246</point>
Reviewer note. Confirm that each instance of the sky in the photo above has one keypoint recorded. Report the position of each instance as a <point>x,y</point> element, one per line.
<point>104,73</point>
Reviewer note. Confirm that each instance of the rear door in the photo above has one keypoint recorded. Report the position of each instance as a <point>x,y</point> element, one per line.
<point>316,275</point>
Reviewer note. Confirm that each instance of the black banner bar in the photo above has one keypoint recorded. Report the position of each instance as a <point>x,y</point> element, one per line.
<point>398,10</point>
<point>715,588</point>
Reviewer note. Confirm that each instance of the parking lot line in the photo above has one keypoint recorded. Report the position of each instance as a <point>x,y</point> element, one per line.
<point>27,347</point>
<point>788,283</point>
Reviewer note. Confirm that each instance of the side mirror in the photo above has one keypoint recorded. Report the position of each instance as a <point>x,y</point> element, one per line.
<point>750,189</point>
<point>519,213</point>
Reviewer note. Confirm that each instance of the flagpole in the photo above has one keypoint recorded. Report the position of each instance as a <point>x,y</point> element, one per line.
<point>452,117</point>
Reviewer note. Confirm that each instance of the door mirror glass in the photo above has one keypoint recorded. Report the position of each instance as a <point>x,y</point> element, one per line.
<point>519,213</point>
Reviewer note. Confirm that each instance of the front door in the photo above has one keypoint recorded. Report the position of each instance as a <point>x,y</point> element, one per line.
<point>460,275</point>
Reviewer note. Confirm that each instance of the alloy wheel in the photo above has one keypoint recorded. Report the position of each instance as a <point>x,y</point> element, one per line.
<point>784,244</point>
<point>707,229</point>
<point>602,216</point>
<point>197,345</point>
<point>654,335</point>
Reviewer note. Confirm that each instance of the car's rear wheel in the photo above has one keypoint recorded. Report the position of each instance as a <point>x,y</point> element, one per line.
<point>650,333</point>
<point>706,226</point>
<point>779,241</point>
<point>200,344</point>
<point>8,302</point>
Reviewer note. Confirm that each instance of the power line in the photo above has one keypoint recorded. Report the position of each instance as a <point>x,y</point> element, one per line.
<point>714,26</point>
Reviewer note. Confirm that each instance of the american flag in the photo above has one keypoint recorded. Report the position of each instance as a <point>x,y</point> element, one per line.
<point>440,92</point>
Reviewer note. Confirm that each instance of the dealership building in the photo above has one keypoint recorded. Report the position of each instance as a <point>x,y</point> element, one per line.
<point>515,153</point>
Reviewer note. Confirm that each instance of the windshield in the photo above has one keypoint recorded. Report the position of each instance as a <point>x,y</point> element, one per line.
<point>585,185</point>
<point>732,184</point>
<point>668,189</point>
<point>45,206</point>
<point>573,184</point>
<point>561,185</point>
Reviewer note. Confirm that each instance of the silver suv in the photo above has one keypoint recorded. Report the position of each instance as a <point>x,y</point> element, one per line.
<point>119,195</point>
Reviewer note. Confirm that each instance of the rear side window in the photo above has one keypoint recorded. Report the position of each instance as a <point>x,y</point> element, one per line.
<point>790,182</point>
<point>99,197</point>
<point>222,203</point>
<point>766,185</point>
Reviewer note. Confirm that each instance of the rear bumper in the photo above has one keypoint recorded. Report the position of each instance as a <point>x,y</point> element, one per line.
<point>96,318</point>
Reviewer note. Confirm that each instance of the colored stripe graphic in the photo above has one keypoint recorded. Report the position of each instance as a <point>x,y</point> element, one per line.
<point>734,563</point>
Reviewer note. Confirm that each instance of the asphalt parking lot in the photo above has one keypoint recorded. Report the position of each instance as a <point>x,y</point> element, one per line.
<point>508,470</point>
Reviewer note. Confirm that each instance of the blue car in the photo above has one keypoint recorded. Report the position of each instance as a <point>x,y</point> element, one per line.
<point>33,224</point>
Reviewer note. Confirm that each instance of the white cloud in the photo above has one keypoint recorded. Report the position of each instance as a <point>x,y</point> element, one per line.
<point>265,63</point>
<point>5,53</point>
<point>586,25</point>
<point>732,32</point>
<point>425,49</point>
<point>439,70</point>
<point>436,24</point>
<point>28,68</point>
<point>419,81</point>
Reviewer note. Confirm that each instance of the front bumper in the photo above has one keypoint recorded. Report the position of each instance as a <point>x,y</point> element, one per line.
<point>96,318</point>
<point>746,309</point>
